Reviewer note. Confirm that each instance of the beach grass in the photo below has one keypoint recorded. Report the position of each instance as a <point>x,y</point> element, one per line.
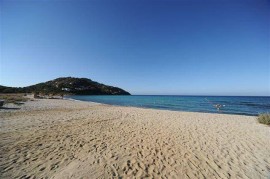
<point>264,118</point>
<point>13,98</point>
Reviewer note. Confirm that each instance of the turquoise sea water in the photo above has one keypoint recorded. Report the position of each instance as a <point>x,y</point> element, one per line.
<point>230,104</point>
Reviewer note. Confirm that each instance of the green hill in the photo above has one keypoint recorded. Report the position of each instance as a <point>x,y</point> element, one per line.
<point>68,85</point>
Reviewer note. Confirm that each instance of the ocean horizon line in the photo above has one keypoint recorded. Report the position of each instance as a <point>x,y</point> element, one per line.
<point>194,95</point>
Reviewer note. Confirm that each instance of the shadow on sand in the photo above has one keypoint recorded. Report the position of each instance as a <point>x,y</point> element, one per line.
<point>7,108</point>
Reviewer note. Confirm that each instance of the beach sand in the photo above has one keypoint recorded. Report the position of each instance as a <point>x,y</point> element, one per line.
<point>71,139</point>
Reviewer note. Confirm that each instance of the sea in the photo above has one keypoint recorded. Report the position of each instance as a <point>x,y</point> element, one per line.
<point>243,105</point>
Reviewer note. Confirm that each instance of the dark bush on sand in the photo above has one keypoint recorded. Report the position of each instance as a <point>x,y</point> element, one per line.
<point>13,98</point>
<point>264,118</point>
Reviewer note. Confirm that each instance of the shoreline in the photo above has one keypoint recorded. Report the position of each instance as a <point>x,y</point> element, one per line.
<point>71,139</point>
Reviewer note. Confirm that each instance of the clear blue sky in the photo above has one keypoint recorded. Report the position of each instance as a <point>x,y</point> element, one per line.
<point>185,47</point>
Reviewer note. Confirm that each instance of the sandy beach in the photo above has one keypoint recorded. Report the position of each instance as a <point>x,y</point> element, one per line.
<point>51,138</point>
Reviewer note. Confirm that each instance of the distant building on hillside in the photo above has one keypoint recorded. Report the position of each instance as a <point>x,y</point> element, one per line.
<point>82,88</point>
<point>66,89</point>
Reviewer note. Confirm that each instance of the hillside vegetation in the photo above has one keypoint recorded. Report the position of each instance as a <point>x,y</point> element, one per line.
<point>68,85</point>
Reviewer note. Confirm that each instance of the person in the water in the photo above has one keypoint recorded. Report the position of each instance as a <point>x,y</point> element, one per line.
<point>218,106</point>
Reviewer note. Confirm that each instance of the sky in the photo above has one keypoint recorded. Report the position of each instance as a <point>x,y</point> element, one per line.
<point>184,47</point>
